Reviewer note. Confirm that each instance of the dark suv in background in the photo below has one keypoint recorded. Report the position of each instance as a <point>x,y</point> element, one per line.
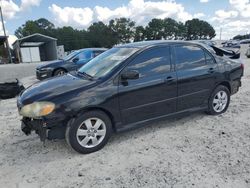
<point>126,87</point>
<point>71,62</point>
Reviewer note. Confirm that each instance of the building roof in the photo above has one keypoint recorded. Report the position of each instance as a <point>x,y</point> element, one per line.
<point>35,39</point>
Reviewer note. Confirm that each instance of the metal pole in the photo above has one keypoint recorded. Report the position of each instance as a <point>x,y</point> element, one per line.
<point>7,42</point>
<point>220,33</point>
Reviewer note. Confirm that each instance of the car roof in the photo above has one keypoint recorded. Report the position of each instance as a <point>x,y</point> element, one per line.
<point>145,44</point>
<point>101,49</point>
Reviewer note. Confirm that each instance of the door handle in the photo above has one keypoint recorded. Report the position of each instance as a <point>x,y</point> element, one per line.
<point>169,79</point>
<point>210,70</point>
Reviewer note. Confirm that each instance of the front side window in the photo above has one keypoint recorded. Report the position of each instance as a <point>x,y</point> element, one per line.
<point>152,62</point>
<point>188,57</point>
<point>71,55</point>
<point>85,55</point>
<point>103,64</point>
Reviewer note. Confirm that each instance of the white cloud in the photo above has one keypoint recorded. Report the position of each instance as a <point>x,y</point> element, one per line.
<point>199,15</point>
<point>9,9</point>
<point>233,22</point>
<point>222,15</point>
<point>72,16</point>
<point>12,39</point>
<point>204,1</point>
<point>233,28</point>
<point>138,10</point>
<point>243,6</point>
<point>27,4</point>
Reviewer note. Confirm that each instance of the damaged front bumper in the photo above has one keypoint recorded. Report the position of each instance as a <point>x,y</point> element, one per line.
<point>43,128</point>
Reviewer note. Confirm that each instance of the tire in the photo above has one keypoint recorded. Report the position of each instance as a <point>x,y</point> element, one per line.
<point>84,140</point>
<point>219,100</point>
<point>59,72</point>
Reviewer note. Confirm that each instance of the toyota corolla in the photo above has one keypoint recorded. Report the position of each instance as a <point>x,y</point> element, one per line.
<point>126,87</point>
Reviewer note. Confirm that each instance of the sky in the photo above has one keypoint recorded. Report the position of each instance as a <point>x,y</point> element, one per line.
<point>232,16</point>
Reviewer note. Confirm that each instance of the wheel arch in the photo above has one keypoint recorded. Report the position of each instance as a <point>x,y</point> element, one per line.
<point>226,84</point>
<point>97,108</point>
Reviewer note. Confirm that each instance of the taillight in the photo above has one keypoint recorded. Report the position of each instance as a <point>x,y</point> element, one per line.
<point>242,65</point>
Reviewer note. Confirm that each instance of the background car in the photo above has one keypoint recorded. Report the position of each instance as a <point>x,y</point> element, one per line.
<point>248,52</point>
<point>71,62</point>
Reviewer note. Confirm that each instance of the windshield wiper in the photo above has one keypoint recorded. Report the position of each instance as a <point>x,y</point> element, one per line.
<point>85,75</point>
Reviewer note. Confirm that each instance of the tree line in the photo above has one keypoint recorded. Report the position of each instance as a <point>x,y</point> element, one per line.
<point>241,37</point>
<point>118,31</point>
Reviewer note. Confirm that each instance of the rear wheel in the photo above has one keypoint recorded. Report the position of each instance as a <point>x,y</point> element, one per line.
<point>219,100</point>
<point>89,132</point>
<point>59,72</point>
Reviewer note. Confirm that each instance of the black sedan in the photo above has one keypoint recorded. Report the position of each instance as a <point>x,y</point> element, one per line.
<point>127,87</point>
<point>71,62</point>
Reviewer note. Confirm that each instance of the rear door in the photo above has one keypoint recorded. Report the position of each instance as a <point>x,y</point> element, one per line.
<point>196,75</point>
<point>154,93</point>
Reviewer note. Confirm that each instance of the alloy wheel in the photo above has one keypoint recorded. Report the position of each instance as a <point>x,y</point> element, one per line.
<point>61,73</point>
<point>91,132</point>
<point>220,101</point>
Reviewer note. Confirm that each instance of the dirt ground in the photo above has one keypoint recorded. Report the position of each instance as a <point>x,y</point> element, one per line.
<point>193,151</point>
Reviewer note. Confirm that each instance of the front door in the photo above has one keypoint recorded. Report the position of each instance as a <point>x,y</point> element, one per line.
<point>154,93</point>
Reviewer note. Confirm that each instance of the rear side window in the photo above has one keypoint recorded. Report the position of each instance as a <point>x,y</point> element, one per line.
<point>188,57</point>
<point>152,62</point>
<point>209,58</point>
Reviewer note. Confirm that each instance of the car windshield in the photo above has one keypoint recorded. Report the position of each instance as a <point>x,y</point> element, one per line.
<point>103,64</point>
<point>70,56</point>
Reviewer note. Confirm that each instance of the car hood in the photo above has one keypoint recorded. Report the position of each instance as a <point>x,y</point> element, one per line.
<point>50,64</point>
<point>50,88</point>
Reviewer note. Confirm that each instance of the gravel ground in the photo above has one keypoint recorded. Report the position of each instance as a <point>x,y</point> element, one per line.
<point>19,71</point>
<point>194,151</point>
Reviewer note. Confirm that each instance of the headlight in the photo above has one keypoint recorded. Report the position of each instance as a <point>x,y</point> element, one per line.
<point>37,109</point>
<point>45,69</point>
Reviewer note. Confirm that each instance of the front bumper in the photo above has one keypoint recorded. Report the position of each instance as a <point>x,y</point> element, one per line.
<point>43,74</point>
<point>43,128</point>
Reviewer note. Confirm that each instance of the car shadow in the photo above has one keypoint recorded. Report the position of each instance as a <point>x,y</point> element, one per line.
<point>152,127</point>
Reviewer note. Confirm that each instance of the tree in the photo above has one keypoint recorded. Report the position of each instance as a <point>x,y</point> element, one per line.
<point>139,34</point>
<point>100,35</point>
<point>41,25</point>
<point>181,31</point>
<point>241,37</point>
<point>155,29</point>
<point>30,27</point>
<point>72,39</point>
<point>118,31</point>
<point>123,29</point>
<point>170,28</point>
<point>198,29</point>
<point>44,24</point>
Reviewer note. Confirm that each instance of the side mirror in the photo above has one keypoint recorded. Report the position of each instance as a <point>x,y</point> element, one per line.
<point>75,59</point>
<point>130,75</point>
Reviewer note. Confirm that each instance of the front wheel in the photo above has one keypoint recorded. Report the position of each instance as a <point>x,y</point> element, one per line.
<point>219,100</point>
<point>89,132</point>
<point>59,72</point>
